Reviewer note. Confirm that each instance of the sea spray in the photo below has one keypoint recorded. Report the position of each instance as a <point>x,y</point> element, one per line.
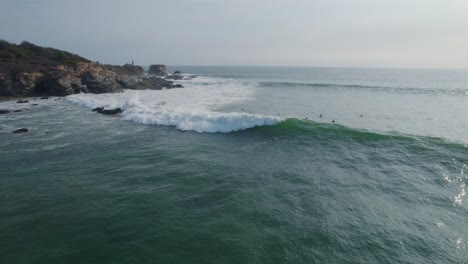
<point>189,109</point>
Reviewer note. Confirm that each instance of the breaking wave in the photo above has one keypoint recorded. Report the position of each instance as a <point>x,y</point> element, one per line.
<point>193,108</point>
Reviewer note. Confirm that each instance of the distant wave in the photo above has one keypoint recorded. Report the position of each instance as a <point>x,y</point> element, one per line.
<point>413,90</point>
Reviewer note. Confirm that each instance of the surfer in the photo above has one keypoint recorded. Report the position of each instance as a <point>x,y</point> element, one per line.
<point>320,115</point>
<point>333,121</point>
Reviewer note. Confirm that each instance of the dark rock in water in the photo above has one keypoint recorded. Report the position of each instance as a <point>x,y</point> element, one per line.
<point>111,111</point>
<point>175,77</point>
<point>177,73</point>
<point>98,109</point>
<point>178,86</point>
<point>34,104</point>
<point>17,111</point>
<point>158,69</point>
<point>44,98</point>
<point>22,101</point>
<point>21,130</point>
<point>4,111</point>
<point>103,111</point>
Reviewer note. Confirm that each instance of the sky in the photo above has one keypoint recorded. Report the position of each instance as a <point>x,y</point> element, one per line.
<point>322,33</point>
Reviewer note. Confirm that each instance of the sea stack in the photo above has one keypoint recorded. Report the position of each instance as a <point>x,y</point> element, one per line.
<point>158,69</point>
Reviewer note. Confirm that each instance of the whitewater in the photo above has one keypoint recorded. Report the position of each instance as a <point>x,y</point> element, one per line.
<point>190,109</point>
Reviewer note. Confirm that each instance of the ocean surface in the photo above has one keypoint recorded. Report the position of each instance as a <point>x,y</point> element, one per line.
<point>243,165</point>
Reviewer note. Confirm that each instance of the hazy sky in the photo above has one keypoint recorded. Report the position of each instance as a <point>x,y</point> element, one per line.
<point>362,33</point>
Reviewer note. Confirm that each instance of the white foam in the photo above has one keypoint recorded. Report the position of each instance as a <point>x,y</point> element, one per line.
<point>195,107</point>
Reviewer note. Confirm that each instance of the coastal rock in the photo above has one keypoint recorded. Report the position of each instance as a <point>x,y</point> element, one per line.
<point>6,85</point>
<point>98,109</point>
<point>128,82</point>
<point>61,82</point>
<point>177,75</point>
<point>103,111</point>
<point>21,130</point>
<point>145,83</point>
<point>4,111</point>
<point>22,101</point>
<point>158,69</point>
<point>51,72</point>
<point>111,111</point>
<point>25,83</point>
<point>127,70</point>
<point>98,79</point>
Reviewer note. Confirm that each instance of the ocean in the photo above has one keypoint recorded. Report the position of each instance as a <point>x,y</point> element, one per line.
<point>243,165</point>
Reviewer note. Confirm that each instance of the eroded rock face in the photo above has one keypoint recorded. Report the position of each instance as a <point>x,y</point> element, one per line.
<point>158,70</point>
<point>25,83</point>
<point>61,82</point>
<point>97,78</point>
<point>6,85</point>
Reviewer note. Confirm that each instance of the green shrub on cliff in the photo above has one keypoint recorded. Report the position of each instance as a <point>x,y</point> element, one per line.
<point>27,57</point>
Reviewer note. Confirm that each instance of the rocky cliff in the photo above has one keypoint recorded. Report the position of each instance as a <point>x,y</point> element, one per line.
<point>30,70</point>
<point>158,70</point>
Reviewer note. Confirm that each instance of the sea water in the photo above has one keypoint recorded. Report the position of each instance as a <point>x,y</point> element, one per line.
<point>243,165</point>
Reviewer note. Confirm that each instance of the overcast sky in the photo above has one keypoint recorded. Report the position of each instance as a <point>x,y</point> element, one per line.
<point>358,33</point>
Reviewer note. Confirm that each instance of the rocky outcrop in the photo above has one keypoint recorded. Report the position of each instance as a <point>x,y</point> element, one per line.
<point>21,130</point>
<point>126,70</point>
<point>103,111</point>
<point>158,70</point>
<point>41,71</point>
<point>97,78</point>
<point>25,83</point>
<point>61,82</point>
<point>146,82</point>
<point>177,75</point>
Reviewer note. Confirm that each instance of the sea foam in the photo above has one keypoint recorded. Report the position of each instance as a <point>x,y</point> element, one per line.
<point>193,108</point>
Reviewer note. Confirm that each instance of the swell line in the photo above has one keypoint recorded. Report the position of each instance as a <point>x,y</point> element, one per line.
<point>412,90</point>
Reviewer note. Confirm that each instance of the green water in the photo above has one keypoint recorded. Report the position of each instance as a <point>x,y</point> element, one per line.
<point>294,193</point>
<point>86,188</point>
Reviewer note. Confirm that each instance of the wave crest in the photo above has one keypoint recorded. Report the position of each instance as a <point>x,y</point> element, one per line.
<point>188,109</point>
<point>210,122</point>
